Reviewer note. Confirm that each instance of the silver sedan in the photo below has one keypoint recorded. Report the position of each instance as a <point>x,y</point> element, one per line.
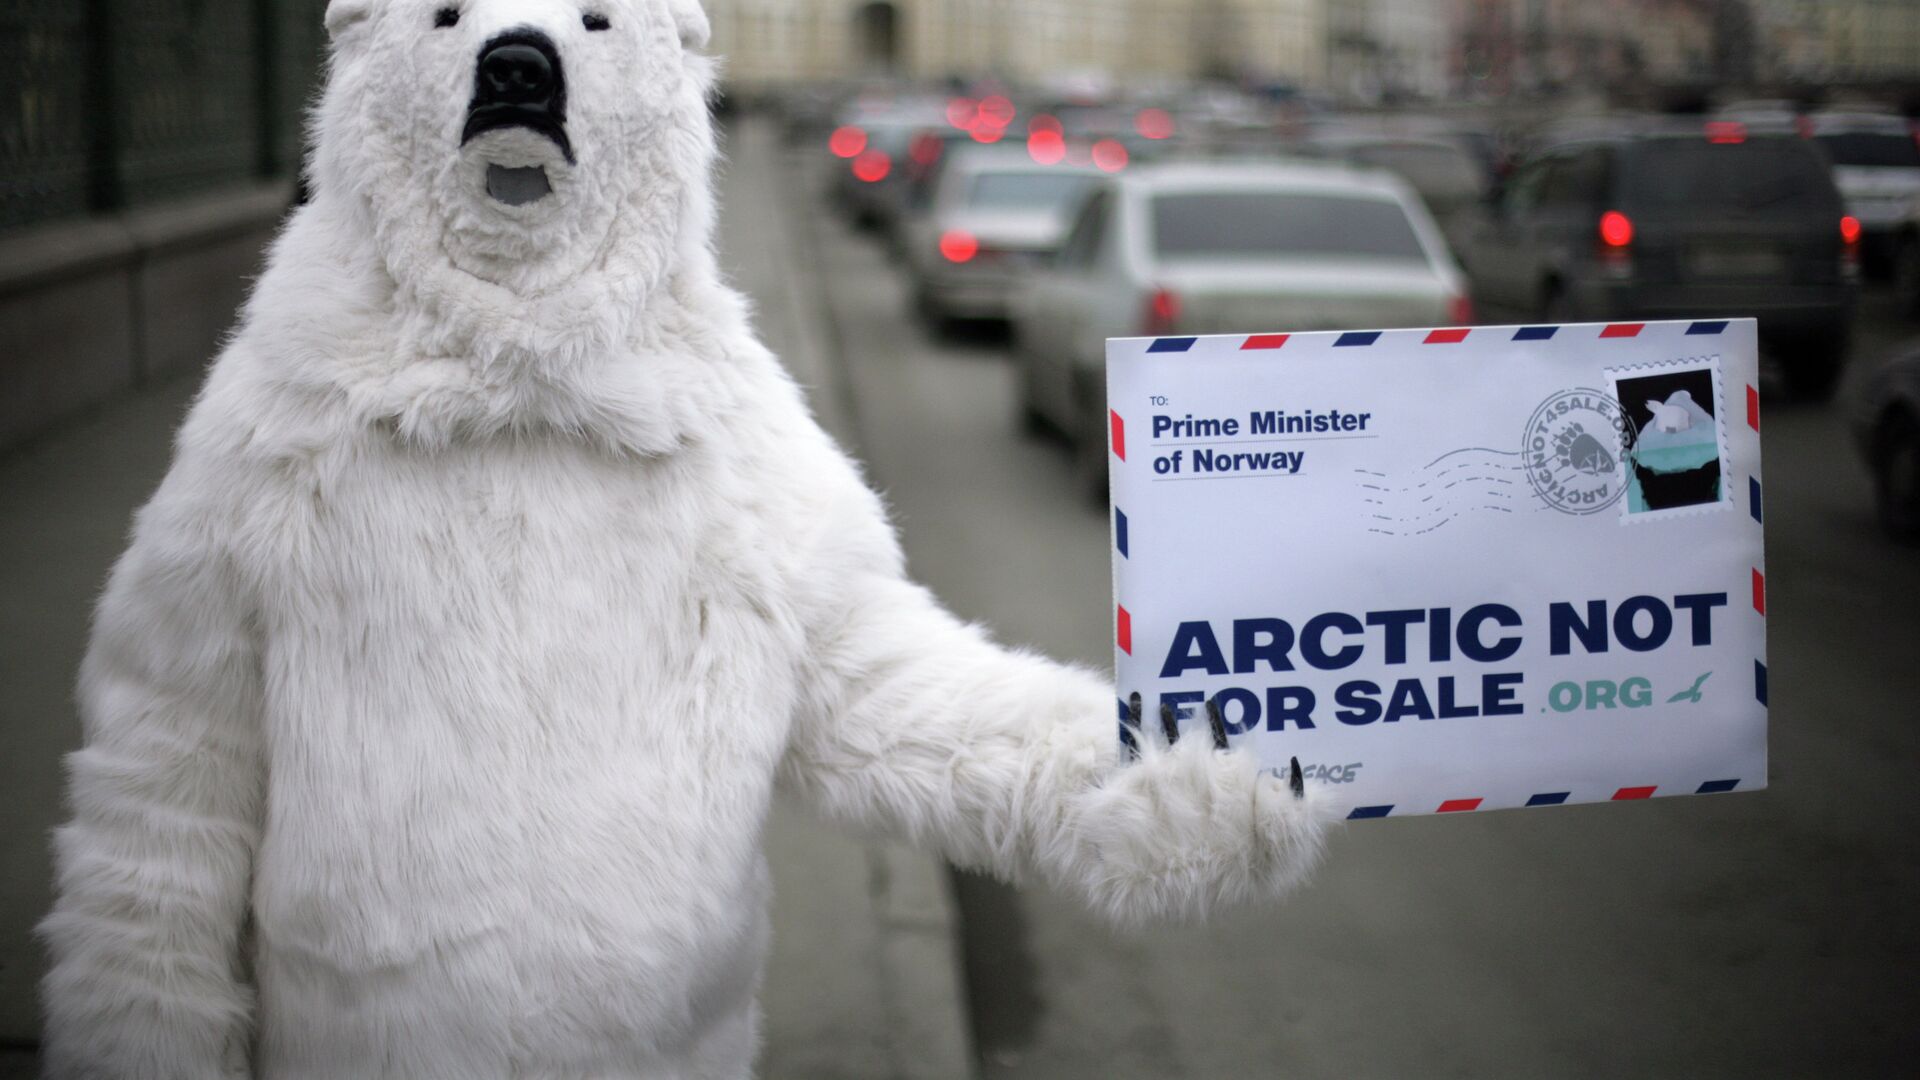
<point>1222,249</point>
<point>996,215</point>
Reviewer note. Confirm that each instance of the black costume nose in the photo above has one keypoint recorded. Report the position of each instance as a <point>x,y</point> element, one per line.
<point>515,74</point>
<point>519,82</point>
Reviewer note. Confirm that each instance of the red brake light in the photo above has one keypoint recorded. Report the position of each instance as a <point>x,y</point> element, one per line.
<point>1110,155</point>
<point>996,110</point>
<point>847,141</point>
<point>926,148</point>
<point>1460,310</point>
<point>958,245</point>
<point>872,166</point>
<point>1726,132</point>
<point>1616,229</point>
<point>1850,230</point>
<point>1043,122</point>
<point>1046,147</point>
<point>1153,123</point>
<point>1162,314</point>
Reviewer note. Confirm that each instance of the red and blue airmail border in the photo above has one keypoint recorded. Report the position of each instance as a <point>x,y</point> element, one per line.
<point>1448,569</point>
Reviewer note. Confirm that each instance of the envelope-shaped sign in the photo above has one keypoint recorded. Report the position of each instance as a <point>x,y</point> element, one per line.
<point>1448,570</point>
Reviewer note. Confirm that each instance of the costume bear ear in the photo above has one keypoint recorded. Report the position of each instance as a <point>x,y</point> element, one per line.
<point>690,19</point>
<point>343,14</point>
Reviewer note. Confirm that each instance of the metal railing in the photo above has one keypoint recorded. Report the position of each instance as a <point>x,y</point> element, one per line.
<point>123,103</point>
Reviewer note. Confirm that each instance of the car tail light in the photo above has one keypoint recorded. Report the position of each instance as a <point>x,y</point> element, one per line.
<point>1460,310</point>
<point>926,149</point>
<point>958,245</point>
<point>847,141</point>
<point>1162,313</point>
<point>1616,229</point>
<point>872,166</point>
<point>1726,132</point>
<point>1850,230</point>
<point>1849,246</point>
<point>1615,249</point>
<point>1046,147</point>
<point>1110,155</point>
<point>996,110</point>
<point>1153,123</point>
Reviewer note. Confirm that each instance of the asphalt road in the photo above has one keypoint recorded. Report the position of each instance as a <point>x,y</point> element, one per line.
<point>1768,934</point>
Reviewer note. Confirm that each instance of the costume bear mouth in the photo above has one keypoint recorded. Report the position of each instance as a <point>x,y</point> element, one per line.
<point>518,187</point>
<point>494,117</point>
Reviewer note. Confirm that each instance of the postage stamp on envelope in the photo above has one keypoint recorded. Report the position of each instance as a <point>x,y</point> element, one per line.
<point>1675,441</point>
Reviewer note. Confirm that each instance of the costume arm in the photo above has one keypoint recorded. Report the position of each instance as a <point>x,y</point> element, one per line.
<point>153,871</point>
<point>918,723</point>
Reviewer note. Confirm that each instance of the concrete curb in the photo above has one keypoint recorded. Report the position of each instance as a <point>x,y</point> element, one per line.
<point>920,969</point>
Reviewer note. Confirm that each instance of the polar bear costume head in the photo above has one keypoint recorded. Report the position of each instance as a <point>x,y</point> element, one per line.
<point>528,238</point>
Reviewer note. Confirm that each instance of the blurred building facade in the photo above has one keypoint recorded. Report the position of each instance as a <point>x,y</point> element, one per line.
<point>1504,47</point>
<point>1822,40</point>
<point>771,42</point>
<point>1387,50</point>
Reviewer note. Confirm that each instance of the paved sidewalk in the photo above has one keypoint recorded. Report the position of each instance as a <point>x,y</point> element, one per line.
<point>865,977</point>
<point>863,983</point>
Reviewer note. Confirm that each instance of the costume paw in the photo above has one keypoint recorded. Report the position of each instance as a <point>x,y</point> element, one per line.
<point>1186,829</point>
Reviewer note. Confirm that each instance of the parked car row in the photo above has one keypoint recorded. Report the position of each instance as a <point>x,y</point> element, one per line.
<point>1073,230</point>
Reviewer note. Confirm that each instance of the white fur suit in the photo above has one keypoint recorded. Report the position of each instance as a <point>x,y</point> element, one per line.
<point>432,717</point>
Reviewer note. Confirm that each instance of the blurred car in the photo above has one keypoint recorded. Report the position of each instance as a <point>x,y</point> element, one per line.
<point>928,154</point>
<point>874,144</point>
<point>1906,258</point>
<point>996,215</point>
<point>1886,427</point>
<point>1222,248</point>
<point>1876,163</point>
<point>1656,221</point>
<point>1446,172</point>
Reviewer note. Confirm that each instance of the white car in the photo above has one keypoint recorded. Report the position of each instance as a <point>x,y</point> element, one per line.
<point>996,215</point>
<point>1223,249</point>
<point>1876,165</point>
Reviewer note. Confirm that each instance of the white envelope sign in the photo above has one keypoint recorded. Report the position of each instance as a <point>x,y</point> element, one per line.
<point>1448,570</point>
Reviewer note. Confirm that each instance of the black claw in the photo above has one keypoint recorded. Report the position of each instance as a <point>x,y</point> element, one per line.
<point>1218,725</point>
<point>1168,726</point>
<point>1296,781</point>
<point>1130,727</point>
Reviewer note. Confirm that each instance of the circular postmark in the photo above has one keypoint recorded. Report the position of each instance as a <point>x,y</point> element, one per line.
<point>1572,450</point>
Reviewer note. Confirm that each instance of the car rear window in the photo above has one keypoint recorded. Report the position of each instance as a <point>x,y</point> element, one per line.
<point>1758,177</point>
<point>1243,225</point>
<point>1869,148</point>
<point>1026,190</point>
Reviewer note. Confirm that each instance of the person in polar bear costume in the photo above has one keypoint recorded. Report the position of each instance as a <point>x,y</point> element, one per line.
<point>500,577</point>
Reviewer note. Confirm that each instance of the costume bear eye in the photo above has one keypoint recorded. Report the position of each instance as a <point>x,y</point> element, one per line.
<point>445,17</point>
<point>595,22</point>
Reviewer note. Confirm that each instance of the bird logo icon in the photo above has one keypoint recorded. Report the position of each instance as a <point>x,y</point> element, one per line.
<point>1691,693</point>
